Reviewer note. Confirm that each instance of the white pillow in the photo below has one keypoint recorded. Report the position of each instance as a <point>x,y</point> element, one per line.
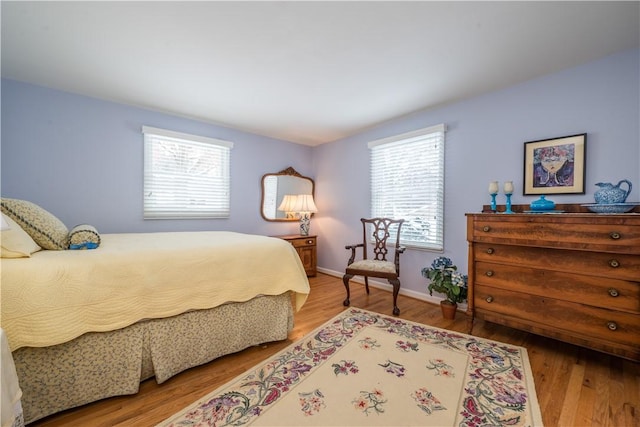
<point>15,242</point>
<point>5,224</point>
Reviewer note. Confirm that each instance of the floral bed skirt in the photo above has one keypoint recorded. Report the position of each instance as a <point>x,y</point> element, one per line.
<point>105,364</point>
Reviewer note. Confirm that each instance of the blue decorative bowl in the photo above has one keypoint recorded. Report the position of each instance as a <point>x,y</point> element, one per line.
<point>542,204</point>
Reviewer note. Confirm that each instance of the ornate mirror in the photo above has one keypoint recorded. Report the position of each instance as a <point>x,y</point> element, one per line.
<point>277,185</point>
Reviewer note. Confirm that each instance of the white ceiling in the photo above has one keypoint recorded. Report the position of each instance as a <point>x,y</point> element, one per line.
<point>307,72</point>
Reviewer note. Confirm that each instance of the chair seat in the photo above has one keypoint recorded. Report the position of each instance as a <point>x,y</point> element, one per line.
<point>374,266</point>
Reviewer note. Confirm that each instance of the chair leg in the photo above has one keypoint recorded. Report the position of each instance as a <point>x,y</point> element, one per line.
<point>366,284</point>
<point>396,290</point>
<point>345,280</point>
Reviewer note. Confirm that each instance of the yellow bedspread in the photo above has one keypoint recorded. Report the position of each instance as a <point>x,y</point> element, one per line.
<point>56,296</point>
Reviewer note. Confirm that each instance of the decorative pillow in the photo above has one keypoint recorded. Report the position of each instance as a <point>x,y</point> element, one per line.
<point>43,227</point>
<point>16,243</point>
<point>4,225</point>
<point>84,236</point>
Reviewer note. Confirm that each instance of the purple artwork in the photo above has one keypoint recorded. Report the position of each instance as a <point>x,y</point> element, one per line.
<point>553,166</point>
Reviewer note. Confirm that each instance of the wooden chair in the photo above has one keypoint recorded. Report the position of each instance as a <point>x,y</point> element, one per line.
<point>377,266</point>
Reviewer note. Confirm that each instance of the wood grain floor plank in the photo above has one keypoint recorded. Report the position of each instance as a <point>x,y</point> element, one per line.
<point>585,404</point>
<point>617,397</point>
<point>631,405</point>
<point>572,396</point>
<point>543,364</point>
<point>601,377</point>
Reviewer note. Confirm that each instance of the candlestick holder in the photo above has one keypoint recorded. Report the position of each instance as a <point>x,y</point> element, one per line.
<point>508,191</point>
<point>508,206</point>
<point>493,191</point>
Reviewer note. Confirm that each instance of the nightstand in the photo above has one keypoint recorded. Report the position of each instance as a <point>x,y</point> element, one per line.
<point>306,248</point>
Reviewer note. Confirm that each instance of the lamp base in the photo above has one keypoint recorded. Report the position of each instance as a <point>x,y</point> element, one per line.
<point>305,222</point>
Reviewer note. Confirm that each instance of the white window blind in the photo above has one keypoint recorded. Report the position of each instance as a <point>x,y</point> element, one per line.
<point>407,182</point>
<point>185,176</point>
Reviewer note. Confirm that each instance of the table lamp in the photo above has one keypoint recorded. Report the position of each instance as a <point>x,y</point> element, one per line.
<point>305,206</point>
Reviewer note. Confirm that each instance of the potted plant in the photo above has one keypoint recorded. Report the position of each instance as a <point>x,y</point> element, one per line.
<point>445,279</point>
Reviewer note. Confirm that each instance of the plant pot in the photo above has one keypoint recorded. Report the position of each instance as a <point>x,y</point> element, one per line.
<point>448,309</point>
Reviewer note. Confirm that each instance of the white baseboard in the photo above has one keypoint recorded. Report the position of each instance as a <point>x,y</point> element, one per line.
<point>423,296</point>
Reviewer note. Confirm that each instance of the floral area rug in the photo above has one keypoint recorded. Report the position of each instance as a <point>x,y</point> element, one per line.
<point>365,369</point>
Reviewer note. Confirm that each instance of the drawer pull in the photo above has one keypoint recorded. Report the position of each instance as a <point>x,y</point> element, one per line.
<point>489,299</point>
<point>613,292</point>
<point>489,273</point>
<point>490,251</point>
<point>615,235</point>
<point>309,242</point>
<point>612,326</point>
<point>486,228</point>
<point>614,263</point>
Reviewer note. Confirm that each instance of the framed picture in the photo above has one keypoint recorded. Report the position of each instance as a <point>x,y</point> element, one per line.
<point>555,166</point>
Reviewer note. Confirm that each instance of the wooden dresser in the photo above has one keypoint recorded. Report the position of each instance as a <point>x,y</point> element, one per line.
<point>306,248</point>
<point>572,276</point>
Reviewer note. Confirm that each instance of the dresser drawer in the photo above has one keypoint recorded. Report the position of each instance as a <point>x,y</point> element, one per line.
<point>591,290</point>
<point>558,315</point>
<point>591,234</point>
<point>606,265</point>
<point>303,241</point>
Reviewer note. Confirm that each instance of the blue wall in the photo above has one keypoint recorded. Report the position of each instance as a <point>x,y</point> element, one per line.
<point>82,159</point>
<point>485,142</point>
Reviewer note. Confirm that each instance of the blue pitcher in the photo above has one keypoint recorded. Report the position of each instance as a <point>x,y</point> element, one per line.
<point>609,193</point>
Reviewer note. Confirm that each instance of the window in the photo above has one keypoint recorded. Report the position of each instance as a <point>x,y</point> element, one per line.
<point>185,176</point>
<point>407,181</point>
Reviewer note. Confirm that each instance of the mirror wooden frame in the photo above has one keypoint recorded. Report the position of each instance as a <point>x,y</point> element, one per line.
<point>285,172</point>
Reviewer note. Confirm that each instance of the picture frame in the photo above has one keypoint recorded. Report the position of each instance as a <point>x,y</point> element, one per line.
<point>555,166</point>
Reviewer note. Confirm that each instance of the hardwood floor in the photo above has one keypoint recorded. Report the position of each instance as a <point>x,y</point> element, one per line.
<point>575,386</point>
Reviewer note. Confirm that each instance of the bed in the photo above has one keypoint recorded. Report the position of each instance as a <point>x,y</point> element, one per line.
<point>84,325</point>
